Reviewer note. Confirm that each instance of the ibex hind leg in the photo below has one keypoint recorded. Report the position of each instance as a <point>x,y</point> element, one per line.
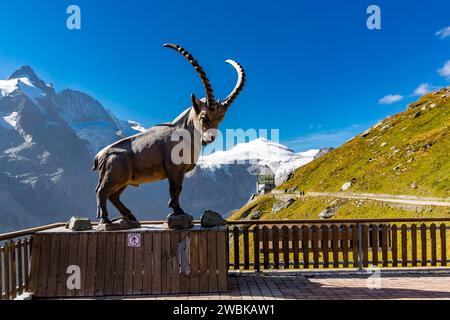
<point>113,176</point>
<point>102,211</point>
<point>124,211</point>
<point>176,178</point>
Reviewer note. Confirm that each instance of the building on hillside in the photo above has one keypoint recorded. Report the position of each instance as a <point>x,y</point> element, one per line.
<point>265,180</point>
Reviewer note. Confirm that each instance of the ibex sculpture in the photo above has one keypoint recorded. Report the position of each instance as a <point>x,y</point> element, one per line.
<point>147,156</point>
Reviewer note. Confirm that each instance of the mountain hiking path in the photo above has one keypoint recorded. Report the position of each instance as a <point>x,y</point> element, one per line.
<point>404,199</point>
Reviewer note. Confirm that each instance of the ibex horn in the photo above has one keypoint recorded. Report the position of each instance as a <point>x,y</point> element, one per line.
<point>239,84</point>
<point>208,89</point>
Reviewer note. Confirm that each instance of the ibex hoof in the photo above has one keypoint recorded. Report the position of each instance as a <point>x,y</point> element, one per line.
<point>104,221</point>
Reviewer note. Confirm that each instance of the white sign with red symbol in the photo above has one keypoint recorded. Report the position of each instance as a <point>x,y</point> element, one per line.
<point>134,240</point>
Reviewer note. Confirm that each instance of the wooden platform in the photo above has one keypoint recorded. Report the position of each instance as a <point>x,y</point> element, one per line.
<point>148,260</point>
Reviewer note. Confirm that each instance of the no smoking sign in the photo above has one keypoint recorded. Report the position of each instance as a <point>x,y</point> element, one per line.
<point>134,240</point>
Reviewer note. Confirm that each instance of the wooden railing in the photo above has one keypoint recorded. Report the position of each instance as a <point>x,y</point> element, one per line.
<point>318,244</point>
<point>15,253</point>
<point>285,244</point>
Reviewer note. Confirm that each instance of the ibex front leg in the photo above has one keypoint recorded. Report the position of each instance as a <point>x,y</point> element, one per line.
<point>175,186</point>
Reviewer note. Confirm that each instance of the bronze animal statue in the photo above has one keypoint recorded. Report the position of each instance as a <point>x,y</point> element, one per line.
<point>148,156</point>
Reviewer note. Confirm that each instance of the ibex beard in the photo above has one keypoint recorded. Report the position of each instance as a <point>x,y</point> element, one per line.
<point>149,156</point>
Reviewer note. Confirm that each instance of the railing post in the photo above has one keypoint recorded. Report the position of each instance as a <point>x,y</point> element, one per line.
<point>256,248</point>
<point>236,262</point>
<point>6,264</point>
<point>227,246</point>
<point>360,239</point>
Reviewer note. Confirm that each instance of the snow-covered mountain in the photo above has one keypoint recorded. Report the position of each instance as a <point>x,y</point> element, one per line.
<point>48,140</point>
<point>85,115</point>
<point>225,180</point>
<point>42,159</point>
<point>46,144</point>
<point>262,152</point>
<point>91,121</point>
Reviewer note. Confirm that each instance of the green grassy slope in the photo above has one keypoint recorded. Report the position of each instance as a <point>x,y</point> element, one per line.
<point>407,153</point>
<point>412,146</point>
<point>309,208</point>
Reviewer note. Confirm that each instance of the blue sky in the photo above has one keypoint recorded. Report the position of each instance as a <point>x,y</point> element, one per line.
<point>314,69</point>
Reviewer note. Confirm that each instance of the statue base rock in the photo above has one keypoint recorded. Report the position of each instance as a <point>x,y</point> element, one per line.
<point>211,219</point>
<point>180,221</point>
<point>79,224</point>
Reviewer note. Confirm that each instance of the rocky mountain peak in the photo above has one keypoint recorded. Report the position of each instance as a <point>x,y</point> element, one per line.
<point>78,106</point>
<point>28,72</point>
<point>24,71</point>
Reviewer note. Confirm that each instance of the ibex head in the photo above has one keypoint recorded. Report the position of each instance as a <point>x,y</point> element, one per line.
<point>209,111</point>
